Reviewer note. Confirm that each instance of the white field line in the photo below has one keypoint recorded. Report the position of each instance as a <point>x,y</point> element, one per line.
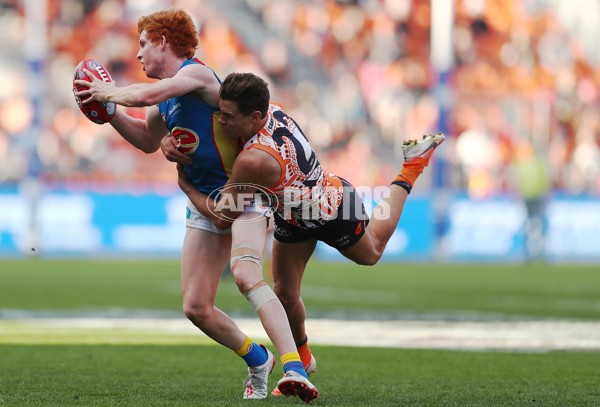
<point>532,336</point>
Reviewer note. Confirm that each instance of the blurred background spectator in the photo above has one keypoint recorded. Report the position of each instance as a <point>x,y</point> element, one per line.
<point>356,75</point>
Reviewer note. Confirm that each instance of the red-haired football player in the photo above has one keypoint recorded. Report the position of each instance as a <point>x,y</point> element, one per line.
<point>183,105</point>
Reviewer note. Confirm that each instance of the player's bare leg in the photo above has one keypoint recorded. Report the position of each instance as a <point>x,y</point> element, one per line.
<point>204,258</point>
<point>417,153</point>
<point>289,263</point>
<point>205,255</point>
<point>249,235</point>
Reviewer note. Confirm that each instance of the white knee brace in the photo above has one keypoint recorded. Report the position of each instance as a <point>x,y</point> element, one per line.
<point>245,253</point>
<point>259,296</point>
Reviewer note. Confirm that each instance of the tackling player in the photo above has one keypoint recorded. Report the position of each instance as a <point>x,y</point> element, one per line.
<point>310,204</point>
<point>183,104</point>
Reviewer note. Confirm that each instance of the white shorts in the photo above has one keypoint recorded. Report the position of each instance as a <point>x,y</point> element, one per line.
<point>194,219</point>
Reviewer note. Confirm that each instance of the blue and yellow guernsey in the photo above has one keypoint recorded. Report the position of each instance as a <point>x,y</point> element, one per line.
<point>196,125</point>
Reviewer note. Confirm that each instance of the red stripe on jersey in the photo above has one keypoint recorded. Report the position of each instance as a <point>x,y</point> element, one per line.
<point>197,60</point>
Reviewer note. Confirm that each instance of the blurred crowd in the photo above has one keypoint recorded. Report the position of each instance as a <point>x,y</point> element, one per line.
<point>357,75</point>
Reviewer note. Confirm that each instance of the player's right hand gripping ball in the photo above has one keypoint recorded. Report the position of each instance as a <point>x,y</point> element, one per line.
<point>97,112</point>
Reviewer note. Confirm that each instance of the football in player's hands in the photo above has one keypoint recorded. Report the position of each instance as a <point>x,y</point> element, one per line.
<point>98,112</point>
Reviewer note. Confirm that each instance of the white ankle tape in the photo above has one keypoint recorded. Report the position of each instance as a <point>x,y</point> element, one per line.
<point>246,253</point>
<point>259,296</point>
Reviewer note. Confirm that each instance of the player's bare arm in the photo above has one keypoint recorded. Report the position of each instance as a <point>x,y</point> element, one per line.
<point>252,168</point>
<point>204,203</point>
<point>145,135</point>
<point>256,167</point>
<point>192,78</point>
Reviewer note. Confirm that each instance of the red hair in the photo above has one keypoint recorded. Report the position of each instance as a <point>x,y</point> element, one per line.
<point>178,28</point>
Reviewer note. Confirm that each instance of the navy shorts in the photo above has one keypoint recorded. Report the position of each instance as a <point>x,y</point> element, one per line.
<point>340,233</point>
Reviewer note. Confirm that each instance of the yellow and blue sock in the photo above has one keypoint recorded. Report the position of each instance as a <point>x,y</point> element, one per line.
<point>291,361</point>
<point>252,353</point>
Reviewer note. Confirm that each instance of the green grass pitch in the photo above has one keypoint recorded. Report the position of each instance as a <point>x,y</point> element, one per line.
<point>206,375</point>
<point>163,369</point>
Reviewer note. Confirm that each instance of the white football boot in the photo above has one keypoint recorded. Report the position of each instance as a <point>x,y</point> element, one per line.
<point>294,384</point>
<point>258,378</point>
<point>414,149</point>
<point>310,369</point>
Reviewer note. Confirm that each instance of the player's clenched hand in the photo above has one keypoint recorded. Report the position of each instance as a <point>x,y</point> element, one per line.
<point>169,146</point>
<point>96,89</point>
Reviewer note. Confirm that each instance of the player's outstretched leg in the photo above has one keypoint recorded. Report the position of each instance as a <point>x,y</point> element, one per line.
<point>369,249</point>
<point>416,157</point>
<point>294,384</point>
<point>258,378</point>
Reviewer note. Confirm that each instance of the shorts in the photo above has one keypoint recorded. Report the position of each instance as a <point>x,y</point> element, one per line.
<point>194,219</point>
<point>340,233</point>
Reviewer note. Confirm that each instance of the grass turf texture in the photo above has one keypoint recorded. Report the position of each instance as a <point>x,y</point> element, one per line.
<point>207,375</point>
<point>163,370</point>
<point>342,289</point>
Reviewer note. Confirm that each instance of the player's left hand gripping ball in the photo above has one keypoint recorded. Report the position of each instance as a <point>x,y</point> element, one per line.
<point>98,112</point>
